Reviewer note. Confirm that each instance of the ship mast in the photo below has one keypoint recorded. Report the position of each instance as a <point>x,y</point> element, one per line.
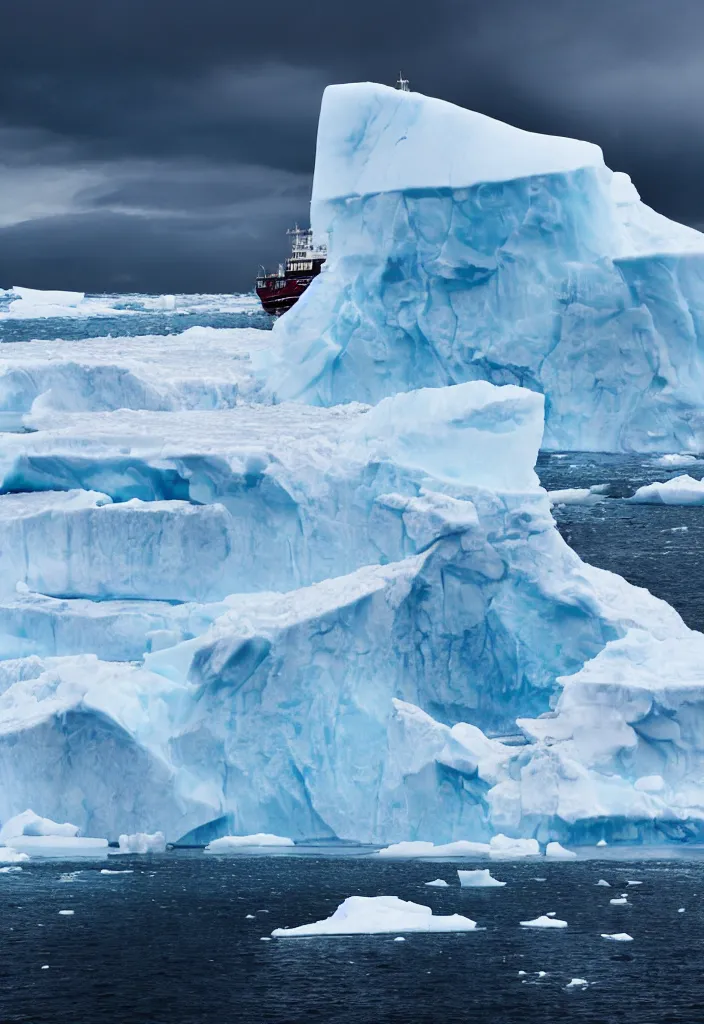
<point>403,85</point>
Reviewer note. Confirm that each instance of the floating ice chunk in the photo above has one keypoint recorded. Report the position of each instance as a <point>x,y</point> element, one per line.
<point>602,881</point>
<point>61,847</point>
<point>542,974</point>
<point>399,938</point>
<point>619,901</point>
<point>680,911</point>
<point>577,983</point>
<point>649,784</point>
<point>602,842</point>
<point>9,855</point>
<point>576,496</point>
<point>143,842</point>
<point>676,460</point>
<point>249,917</point>
<point>618,937</point>
<point>367,915</point>
<point>67,913</point>
<point>227,844</point>
<point>558,852</point>
<point>551,913</point>
<point>8,870</point>
<point>420,848</point>
<point>30,824</point>
<point>633,881</point>
<point>680,490</point>
<point>123,871</point>
<point>522,973</point>
<point>505,846</point>
<point>544,922</point>
<point>439,882</point>
<point>479,879</point>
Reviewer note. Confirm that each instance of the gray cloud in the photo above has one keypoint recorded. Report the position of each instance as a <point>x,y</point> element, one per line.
<point>166,147</point>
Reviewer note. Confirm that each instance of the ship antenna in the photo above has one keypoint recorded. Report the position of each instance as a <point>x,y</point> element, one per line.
<point>403,85</point>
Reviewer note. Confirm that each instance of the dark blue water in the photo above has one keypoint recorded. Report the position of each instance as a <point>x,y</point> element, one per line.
<point>659,547</point>
<point>171,944</point>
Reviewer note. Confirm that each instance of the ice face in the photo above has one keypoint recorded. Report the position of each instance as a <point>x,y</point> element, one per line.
<point>480,252</point>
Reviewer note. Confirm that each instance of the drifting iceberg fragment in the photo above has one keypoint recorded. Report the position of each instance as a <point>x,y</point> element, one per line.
<point>479,879</point>
<point>558,852</point>
<point>439,883</point>
<point>618,937</point>
<point>61,847</point>
<point>507,846</point>
<point>30,824</point>
<point>679,490</point>
<point>544,922</point>
<point>418,848</point>
<point>142,842</point>
<point>9,855</point>
<point>228,844</point>
<point>374,915</point>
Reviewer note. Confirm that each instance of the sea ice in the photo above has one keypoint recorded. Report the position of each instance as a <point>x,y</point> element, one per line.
<point>9,855</point>
<point>577,983</point>
<point>576,496</point>
<point>61,847</point>
<point>618,937</point>
<point>109,871</point>
<point>228,844</point>
<point>439,882</point>
<point>619,901</point>
<point>602,881</point>
<point>679,490</point>
<point>676,460</point>
<point>67,913</point>
<point>418,848</point>
<point>558,852</point>
<point>30,824</point>
<point>366,915</point>
<point>544,922</point>
<point>143,842</point>
<point>479,879</point>
<point>11,868</point>
<point>507,846</point>
<point>602,842</point>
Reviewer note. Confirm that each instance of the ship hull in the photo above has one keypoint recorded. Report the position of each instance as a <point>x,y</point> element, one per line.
<point>277,294</point>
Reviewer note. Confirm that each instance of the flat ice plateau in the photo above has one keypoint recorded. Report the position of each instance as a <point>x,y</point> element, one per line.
<point>292,594</point>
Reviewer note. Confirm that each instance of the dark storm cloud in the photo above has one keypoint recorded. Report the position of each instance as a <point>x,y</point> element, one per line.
<point>166,146</point>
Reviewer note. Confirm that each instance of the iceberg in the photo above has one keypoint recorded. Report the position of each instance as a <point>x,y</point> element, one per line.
<point>30,824</point>
<point>679,490</point>
<point>61,847</point>
<point>558,852</point>
<point>461,248</point>
<point>544,921</point>
<point>439,883</point>
<point>142,842</point>
<point>375,915</point>
<point>479,879</point>
<point>262,840</point>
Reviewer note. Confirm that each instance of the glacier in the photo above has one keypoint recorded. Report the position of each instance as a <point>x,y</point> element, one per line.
<point>460,248</point>
<point>307,584</point>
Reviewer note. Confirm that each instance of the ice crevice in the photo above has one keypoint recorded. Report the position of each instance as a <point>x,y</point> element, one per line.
<point>278,586</point>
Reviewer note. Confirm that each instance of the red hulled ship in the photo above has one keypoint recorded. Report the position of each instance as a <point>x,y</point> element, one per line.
<point>279,291</point>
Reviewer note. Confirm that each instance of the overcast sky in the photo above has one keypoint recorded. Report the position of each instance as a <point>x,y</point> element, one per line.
<point>166,145</point>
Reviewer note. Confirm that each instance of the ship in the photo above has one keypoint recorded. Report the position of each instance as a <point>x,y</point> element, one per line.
<point>281,290</point>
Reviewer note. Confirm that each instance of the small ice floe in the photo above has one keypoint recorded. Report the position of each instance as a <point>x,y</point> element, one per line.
<point>123,871</point>
<point>602,842</point>
<point>420,848</point>
<point>602,881</point>
<point>618,937</point>
<point>505,846</point>
<point>230,844</point>
<point>542,974</point>
<point>479,879</point>
<point>577,983</point>
<point>633,881</point>
<point>558,852</point>
<point>540,879</point>
<point>680,911</point>
<point>370,915</point>
<point>143,842</point>
<point>67,913</point>
<point>577,495</point>
<point>45,967</point>
<point>399,938</point>
<point>439,882</point>
<point>9,869</point>
<point>265,938</point>
<point>544,922</point>
<point>69,876</point>
<point>619,901</point>
<point>249,917</point>
<point>551,913</point>
<point>8,855</point>
<point>678,490</point>
<point>676,459</point>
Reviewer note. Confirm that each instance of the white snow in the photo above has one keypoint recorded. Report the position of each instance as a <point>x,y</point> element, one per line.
<point>479,879</point>
<point>372,138</point>
<point>143,842</point>
<point>228,844</point>
<point>439,882</point>
<point>558,852</point>
<point>544,922</point>
<point>367,915</point>
<point>30,824</point>
<point>679,490</point>
<point>618,937</point>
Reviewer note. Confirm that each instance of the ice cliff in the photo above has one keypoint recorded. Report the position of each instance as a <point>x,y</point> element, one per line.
<point>461,248</point>
<point>350,615</point>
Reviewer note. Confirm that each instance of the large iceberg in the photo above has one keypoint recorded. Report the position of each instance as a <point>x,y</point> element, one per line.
<point>224,613</point>
<point>460,248</point>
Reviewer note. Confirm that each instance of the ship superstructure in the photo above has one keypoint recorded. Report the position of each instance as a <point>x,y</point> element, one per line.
<point>280,290</point>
